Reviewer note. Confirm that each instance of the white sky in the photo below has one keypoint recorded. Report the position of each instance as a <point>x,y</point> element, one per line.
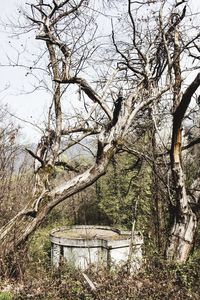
<point>31,107</point>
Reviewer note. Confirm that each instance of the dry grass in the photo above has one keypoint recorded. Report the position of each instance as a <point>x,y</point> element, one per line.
<point>158,280</point>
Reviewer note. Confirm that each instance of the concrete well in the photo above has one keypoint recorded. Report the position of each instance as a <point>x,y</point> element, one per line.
<point>82,246</point>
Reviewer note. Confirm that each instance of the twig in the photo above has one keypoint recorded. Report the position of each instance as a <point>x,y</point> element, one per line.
<point>89,282</point>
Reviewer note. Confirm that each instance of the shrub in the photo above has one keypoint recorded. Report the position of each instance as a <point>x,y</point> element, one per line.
<point>5,296</point>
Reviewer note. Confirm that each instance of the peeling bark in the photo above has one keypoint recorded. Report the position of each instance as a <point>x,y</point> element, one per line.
<point>185,221</point>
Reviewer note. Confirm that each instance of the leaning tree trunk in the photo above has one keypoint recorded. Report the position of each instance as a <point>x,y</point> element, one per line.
<point>17,231</point>
<point>185,221</point>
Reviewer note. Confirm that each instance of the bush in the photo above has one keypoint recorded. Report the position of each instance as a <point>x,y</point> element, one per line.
<point>5,296</point>
<point>158,280</point>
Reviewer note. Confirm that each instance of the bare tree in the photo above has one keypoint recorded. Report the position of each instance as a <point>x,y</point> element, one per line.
<point>15,173</point>
<point>116,76</point>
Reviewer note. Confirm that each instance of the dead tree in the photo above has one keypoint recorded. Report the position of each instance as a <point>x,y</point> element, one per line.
<point>143,68</point>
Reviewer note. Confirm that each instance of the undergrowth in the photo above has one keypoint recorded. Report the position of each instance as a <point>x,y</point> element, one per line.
<point>157,280</point>
<point>35,278</point>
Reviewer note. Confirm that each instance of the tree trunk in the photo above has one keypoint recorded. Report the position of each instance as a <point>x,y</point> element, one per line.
<point>17,231</point>
<point>185,221</point>
<point>182,237</point>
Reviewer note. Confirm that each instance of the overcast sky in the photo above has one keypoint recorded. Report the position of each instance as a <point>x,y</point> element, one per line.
<point>31,107</point>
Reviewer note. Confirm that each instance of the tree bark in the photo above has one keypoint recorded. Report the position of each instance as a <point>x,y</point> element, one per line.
<point>17,231</point>
<point>185,221</point>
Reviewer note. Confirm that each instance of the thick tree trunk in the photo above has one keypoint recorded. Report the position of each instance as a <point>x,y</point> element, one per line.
<point>185,221</point>
<point>182,237</point>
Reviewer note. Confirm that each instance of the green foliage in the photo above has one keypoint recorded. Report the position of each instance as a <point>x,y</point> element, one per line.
<point>124,192</point>
<point>191,169</point>
<point>39,245</point>
<point>5,296</point>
